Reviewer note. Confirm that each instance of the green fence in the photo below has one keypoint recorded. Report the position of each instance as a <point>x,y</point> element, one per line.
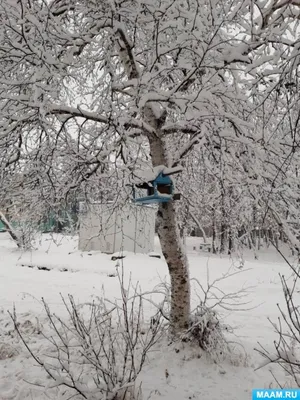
<point>2,227</point>
<point>52,223</point>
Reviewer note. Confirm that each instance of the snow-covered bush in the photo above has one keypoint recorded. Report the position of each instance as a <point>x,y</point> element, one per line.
<point>206,329</point>
<point>28,233</point>
<point>7,351</point>
<point>98,353</point>
<point>23,233</point>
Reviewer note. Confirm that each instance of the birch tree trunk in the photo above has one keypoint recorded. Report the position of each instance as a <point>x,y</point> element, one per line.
<point>173,249</point>
<point>174,253</point>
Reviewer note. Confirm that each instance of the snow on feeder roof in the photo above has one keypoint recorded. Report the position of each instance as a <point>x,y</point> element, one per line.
<point>151,174</point>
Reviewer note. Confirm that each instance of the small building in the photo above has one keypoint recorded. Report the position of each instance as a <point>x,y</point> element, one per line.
<point>105,228</point>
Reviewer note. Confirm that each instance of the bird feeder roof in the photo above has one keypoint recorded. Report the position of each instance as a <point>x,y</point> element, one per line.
<point>155,173</point>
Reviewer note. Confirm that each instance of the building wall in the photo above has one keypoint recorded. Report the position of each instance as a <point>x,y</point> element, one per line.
<point>106,229</point>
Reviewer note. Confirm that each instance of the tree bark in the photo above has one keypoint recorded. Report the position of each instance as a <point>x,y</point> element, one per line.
<point>197,222</point>
<point>223,224</point>
<point>222,238</point>
<point>174,253</point>
<point>230,242</point>
<point>173,249</point>
<point>214,247</point>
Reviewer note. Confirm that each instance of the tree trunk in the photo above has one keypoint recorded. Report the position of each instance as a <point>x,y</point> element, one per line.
<point>222,238</point>
<point>230,242</point>
<point>259,234</point>
<point>197,222</point>
<point>223,224</point>
<point>176,259</point>
<point>214,248</point>
<point>173,249</point>
<point>10,230</point>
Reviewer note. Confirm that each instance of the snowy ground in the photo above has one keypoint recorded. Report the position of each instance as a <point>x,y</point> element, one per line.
<point>192,375</point>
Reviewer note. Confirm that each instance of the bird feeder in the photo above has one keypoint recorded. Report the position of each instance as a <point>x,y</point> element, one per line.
<point>158,190</point>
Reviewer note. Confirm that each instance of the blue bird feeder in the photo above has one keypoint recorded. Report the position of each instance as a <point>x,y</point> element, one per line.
<point>158,190</point>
